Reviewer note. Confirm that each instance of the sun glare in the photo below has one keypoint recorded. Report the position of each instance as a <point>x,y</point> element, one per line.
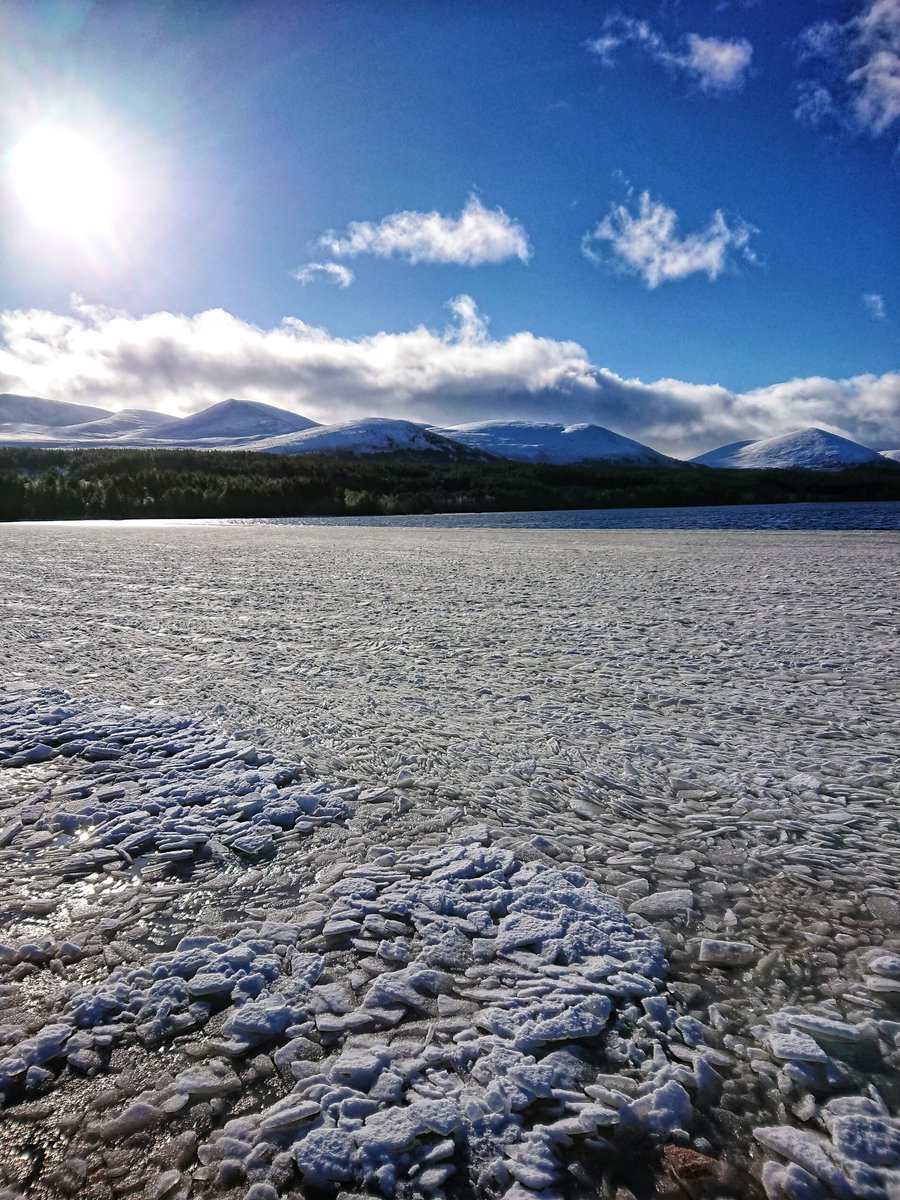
<point>64,182</point>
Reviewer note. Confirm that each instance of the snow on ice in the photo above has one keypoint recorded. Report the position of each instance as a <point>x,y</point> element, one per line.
<point>431,900</point>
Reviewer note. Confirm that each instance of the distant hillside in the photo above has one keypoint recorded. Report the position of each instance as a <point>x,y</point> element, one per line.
<point>234,419</point>
<point>34,410</point>
<point>806,449</point>
<point>128,422</point>
<point>374,435</point>
<point>538,441</point>
<point>115,483</point>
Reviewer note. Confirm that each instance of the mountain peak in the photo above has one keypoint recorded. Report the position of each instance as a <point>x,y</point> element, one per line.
<point>372,435</point>
<point>544,441</point>
<point>235,419</point>
<point>810,449</point>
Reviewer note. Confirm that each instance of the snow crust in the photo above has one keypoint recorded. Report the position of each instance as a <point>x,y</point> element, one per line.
<point>811,449</point>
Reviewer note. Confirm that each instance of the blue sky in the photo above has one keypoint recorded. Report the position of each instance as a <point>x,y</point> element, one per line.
<point>677,219</point>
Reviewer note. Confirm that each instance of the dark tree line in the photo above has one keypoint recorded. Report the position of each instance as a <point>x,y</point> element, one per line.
<point>76,484</point>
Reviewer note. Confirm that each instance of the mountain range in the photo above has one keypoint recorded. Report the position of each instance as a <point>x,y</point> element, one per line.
<point>248,425</point>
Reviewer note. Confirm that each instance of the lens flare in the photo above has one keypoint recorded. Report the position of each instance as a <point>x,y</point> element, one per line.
<point>64,182</point>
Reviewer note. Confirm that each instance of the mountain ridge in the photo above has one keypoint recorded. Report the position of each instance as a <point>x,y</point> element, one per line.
<point>234,424</point>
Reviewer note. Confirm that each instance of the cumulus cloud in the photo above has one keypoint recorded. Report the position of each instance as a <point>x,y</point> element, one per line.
<point>332,272</point>
<point>860,62</point>
<point>478,235</point>
<point>716,65</point>
<point>647,243</point>
<point>183,363</point>
<point>874,305</point>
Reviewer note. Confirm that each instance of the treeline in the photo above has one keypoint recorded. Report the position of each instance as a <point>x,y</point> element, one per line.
<point>75,484</point>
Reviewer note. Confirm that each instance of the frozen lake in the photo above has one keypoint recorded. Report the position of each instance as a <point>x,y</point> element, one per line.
<point>701,725</point>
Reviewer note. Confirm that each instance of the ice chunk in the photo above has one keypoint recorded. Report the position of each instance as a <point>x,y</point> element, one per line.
<point>325,1157</point>
<point>808,1151</point>
<point>726,954</point>
<point>673,903</point>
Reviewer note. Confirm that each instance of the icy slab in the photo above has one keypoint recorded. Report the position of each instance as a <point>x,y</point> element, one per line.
<point>471,1046</point>
<point>187,790</point>
<point>857,1158</point>
<point>720,953</point>
<point>548,970</point>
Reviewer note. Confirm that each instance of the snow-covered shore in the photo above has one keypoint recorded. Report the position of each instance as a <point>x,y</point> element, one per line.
<point>701,726</point>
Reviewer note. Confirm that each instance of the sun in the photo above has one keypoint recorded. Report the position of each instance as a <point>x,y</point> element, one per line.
<point>63,181</point>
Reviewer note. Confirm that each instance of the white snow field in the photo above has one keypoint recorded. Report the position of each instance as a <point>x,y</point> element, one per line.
<point>481,863</point>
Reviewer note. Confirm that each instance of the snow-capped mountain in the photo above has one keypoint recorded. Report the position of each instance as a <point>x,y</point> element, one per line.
<point>249,425</point>
<point>810,449</point>
<point>130,422</point>
<point>34,410</point>
<point>374,435</point>
<point>234,419</point>
<point>539,441</point>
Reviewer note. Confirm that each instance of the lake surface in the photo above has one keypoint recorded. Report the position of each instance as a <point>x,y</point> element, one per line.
<point>884,514</point>
<point>851,515</point>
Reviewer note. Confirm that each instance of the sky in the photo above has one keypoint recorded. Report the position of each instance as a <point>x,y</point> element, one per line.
<point>675,219</point>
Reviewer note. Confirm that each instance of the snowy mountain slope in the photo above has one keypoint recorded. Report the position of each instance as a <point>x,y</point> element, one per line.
<point>892,455</point>
<point>722,455</point>
<point>538,441</point>
<point>234,419</point>
<point>374,435</point>
<point>811,449</point>
<point>130,422</point>
<point>36,411</point>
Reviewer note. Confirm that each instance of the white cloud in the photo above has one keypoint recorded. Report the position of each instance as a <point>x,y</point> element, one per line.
<point>332,272</point>
<point>861,58</point>
<point>815,104</point>
<point>719,65</point>
<point>183,363</point>
<point>874,305</point>
<point>478,235</point>
<point>471,326</point>
<point>716,65</point>
<point>647,243</point>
